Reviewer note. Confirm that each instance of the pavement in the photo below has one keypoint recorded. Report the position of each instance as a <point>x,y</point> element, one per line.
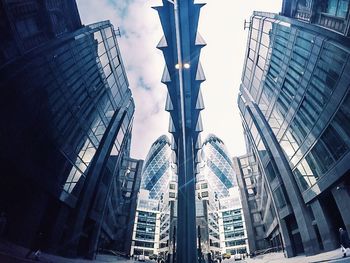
<point>331,256</point>
<point>10,253</point>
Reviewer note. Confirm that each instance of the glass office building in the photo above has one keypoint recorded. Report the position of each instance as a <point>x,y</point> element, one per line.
<point>68,112</point>
<point>232,225</point>
<point>259,214</point>
<point>146,227</point>
<point>157,171</point>
<point>294,102</point>
<point>218,169</point>
<point>156,201</point>
<point>207,220</point>
<point>28,24</point>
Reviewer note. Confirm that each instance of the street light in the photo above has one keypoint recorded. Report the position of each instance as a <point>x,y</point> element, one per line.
<point>185,66</point>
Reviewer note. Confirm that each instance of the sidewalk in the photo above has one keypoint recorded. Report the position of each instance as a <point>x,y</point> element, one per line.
<point>11,253</point>
<point>331,256</point>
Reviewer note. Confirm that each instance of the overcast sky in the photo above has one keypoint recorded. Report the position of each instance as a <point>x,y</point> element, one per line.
<point>221,25</point>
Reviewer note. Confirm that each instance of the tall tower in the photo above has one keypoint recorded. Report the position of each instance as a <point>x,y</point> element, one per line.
<point>183,74</point>
<point>157,172</point>
<point>219,168</point>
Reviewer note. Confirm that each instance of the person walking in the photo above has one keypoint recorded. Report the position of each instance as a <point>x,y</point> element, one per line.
<point>344,241</point>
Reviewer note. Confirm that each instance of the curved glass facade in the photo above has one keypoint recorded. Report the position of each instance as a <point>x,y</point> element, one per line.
<point>294,103</point>
<point>157,172</point>
<point>218,170</point>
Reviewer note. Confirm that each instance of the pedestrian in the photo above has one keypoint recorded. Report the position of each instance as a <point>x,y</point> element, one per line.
<point>344,241</point>
<point>37,246</point>
<point>3,223</point>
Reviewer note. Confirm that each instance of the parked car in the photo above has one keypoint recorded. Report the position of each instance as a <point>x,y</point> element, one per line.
<point>238,257</point>
<point>153,257</point>
<point>226,256</point>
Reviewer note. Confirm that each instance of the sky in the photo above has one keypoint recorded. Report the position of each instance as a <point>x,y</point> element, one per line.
<point>221,26</point>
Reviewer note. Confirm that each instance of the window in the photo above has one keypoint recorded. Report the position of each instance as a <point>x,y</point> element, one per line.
<point>322,158</point>
<point>337,8</point>
<point>342,118</point>
<point>204,186</point>
<point>27,27</point>
<point>334,142</point>
<point>279,198</point>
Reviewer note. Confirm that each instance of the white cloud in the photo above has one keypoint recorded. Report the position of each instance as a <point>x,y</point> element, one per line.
<point>221,25</point>
<point>141,31</point>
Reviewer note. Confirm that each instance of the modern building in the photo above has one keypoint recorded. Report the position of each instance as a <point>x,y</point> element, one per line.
<point>233,234</point>
<point>218,169</point>
<point>207,220</point>
<point>157,171</point>
<point>168,222</point>
<point>330,14</point>
<point>145,239</point>
<point>221,184</point>
<point>259,214</point>
<point>121,227</point>
<point>27,24</point>
<point>67,112</point>
<point>181,46</point>
<point>294,102</point>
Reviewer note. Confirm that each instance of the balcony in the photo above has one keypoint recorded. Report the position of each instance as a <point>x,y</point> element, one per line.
<point>332,22</point>
<point>304,15</point>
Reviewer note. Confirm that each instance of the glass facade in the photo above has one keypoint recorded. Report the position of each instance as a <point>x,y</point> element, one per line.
<point>108,82</point>
<point>218,169</point>
<point>293,100</point>
<point>146,227</point>
<point>28,24</point>
<point>69,111</point>
<point>157,171</point>
<point>233,232</point>
<point>293,103</point>
<point>331,14</point>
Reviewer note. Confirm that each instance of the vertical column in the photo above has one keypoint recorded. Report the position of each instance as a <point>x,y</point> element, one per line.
<point>301,215</point>
<point>341,195</point>
<point>324,226</point>
<point>186,245</point>
<point>288,248</point>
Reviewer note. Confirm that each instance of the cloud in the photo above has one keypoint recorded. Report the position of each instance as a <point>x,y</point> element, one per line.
<point>221,25</point>
<point>141,31</point>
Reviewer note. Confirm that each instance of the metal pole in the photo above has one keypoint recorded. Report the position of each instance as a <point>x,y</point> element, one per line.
<point>199,245</point>
<point>186,202</point>
<point>174,239</point>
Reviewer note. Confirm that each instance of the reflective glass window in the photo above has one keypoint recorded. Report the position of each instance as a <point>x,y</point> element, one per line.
<point>322,157</point>
<point>334,142</point>
<point>279,198</point>
<point>270,172</point>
